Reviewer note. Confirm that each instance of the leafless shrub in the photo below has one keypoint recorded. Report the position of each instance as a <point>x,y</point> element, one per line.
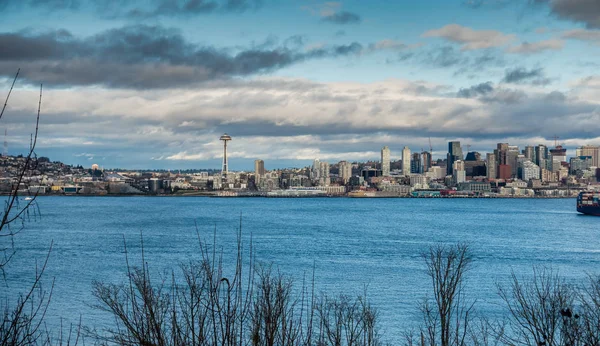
<point>541,311</point>
<point>347,321</point>
<point>447,316</point>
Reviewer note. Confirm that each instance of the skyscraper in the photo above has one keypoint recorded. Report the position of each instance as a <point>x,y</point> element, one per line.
<point>541,156</point>
<point>454,154</point>
<point>491,166</point>
<point>345,171</point>
<point>259,170</point>
<point>458,171</point>
<point>315,171</point>
<point>415,164</point>
<point>385,161</point>
<point>324,173</point>
<point>529,153</point>
<point>511,159</point>
<point>406,161</point>
<point>592,151</point>
<point>426,161</point>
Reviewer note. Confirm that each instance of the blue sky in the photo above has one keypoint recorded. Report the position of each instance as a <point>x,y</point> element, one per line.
<point>153,84</point>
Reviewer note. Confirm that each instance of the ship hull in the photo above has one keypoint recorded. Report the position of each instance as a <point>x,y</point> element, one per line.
<point>591,210</point>
<point>588,203</point>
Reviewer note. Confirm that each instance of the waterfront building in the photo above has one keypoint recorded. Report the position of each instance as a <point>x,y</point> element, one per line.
<point>259,170</point>
<point>454,154</point>
<point>415,164</point>
<point>491,166</point>
<point>345,171</point>
<point>475,186</point>
<point>591,151</point>
<point>406,161</point>
<point>385,161</point>
<point>418,180</point>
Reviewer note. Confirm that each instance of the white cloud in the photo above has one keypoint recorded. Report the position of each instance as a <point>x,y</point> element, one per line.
<point>469,38</point>
<point>592,36</point>
<point>291,119</point>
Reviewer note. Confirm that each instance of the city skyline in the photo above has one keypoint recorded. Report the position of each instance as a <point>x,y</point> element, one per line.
<point>154,84</point>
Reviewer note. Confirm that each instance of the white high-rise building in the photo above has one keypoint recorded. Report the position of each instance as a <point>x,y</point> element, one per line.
<point>458,171</point>
<point>406,161</point>
<point>385,161</point>
<point>324,174</point>
<point>316,168</point>
<point>529,170</point>
<point>345,171</point>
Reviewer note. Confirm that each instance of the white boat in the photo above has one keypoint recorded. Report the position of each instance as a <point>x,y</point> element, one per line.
<point>29,198</point>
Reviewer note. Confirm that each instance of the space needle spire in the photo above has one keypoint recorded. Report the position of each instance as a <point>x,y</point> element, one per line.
<point>225,138</point>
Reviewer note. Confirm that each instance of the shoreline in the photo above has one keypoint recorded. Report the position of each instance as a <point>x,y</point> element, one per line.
<point>296,197</point>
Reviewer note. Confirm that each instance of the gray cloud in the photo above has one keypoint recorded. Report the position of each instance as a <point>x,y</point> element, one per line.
<point>142,56</point>
<point>305,119</point>
<point>584,11</point>
<point>138,8</point>
<point>476,90</point>
<point>592,36</point>
<point>521,75</point>
<point>342,17</point>
<point>536,47</point>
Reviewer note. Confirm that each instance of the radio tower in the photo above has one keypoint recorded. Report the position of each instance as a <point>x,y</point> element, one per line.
<point>5,152</point>
<point>225,138</point>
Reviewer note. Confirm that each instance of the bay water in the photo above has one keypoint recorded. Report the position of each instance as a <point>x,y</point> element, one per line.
<point>349,244</point>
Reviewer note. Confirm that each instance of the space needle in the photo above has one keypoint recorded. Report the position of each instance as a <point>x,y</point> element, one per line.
<point>225,138</point>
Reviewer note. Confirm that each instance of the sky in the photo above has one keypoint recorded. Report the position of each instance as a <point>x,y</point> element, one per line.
<point>155,83</point>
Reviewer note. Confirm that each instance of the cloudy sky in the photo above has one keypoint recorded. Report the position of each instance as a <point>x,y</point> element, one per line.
<point>154,83</point>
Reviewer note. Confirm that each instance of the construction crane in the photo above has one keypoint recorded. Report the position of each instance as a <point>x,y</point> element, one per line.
<point>430,148</point>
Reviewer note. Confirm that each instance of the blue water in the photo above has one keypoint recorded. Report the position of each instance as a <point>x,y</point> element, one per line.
<point>352,244</point>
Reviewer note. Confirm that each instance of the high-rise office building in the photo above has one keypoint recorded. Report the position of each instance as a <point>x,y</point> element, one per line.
<point>591,151</point>
<point>259,170</point>
<point>541,156</point>
<point>529,153</point>
<point>528,170</point>
<point>491,166</point>
<point>454,154</point>
<point>511,159</point>
<point>345,171</point>
<point>426,161</point>
<point>316,169</point>
<point>406,161</point>
<point>458,171</point>
<point>415,163</point>
<point>385,161</point>
<point>324,173</point>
